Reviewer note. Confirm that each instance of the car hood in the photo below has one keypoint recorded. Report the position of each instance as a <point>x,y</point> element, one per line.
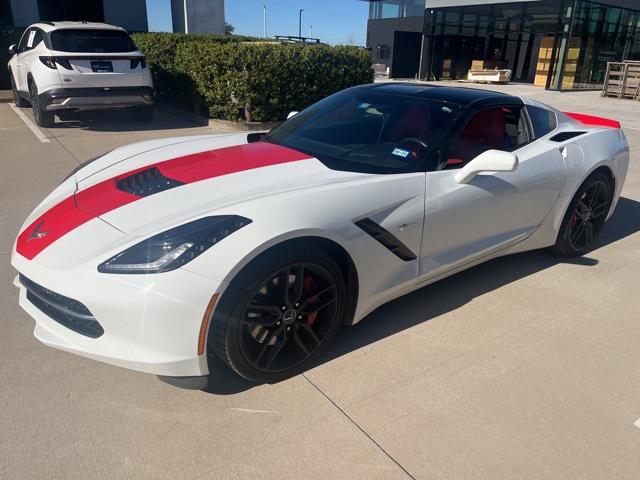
<point>154,186</point>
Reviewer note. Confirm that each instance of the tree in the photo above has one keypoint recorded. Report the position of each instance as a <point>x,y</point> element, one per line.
<point>228,28</point>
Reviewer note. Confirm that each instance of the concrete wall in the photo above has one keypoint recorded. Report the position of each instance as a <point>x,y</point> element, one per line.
<point>128,14</point>
<point>382,32</point>
<point>25,12</point>
<point>203,16</point>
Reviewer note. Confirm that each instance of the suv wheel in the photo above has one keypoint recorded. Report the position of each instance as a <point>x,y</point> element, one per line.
<point>42,117</point>
<point>17,99</point>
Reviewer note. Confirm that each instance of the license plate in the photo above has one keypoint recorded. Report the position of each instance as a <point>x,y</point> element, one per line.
<point>101,66</point>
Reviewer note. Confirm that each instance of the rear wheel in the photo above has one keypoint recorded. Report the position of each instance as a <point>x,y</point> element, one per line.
<point>41,116</point>
<point>585,216</point>
<point>278,314</point>
<point>17,99</point>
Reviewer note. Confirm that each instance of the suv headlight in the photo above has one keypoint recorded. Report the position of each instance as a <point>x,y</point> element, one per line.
<point>174,248</point>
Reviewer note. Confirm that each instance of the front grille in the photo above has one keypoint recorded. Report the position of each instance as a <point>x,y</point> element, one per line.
<point>64,310</point>
<point>147,182</point>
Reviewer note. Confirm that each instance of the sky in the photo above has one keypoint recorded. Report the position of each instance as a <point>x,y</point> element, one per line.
<point>333,21</point>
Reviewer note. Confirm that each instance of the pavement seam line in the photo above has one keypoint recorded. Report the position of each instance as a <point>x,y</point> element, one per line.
<point>364,432</point>
<point>36,131</point>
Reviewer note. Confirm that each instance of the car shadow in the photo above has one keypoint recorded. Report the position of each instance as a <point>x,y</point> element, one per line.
<point>165,118</point>
<point>446,295</point>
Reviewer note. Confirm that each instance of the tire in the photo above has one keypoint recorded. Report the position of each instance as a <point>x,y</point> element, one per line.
<point>143,114</point>
<point>585,216</point>
<point>266,335</point>
<point>17,99</point>
<point>42,117</point>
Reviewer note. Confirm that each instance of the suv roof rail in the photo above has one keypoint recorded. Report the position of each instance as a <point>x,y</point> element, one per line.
<point>47,22</point>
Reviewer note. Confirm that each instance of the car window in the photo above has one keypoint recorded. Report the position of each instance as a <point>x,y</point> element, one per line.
<point>369,132</point>
<point>543,121</point>
<point>37,38</point>
<point>22,46</point>
<point>499,128</point>
<point>91,41</point>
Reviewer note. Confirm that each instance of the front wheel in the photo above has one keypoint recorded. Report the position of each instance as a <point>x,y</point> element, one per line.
<point>585,216</point>
<point>278,314</point>
<point>17,99</point>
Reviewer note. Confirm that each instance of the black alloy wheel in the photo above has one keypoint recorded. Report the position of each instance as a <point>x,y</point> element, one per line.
<point>585,217</point>
<point>273,329</point>
<point>41,116</point>
<point>17,99</point>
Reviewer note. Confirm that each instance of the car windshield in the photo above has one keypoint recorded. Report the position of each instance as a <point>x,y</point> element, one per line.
<point>91,41</point>
<point>366,131</point>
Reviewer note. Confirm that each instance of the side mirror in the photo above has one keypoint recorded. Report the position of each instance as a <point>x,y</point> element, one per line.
<point>489,161</point>
<point>12,49</point>
<point>291,114</point>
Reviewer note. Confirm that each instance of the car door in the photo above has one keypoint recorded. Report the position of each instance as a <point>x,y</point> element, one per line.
<point>468,221</point>
<point>21,71</point>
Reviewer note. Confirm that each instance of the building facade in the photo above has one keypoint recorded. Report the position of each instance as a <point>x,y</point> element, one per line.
<point>198,16</point>
<point>556,44</point>
<point>128,14</point>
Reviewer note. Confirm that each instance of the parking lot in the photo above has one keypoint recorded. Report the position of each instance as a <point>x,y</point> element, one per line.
<point>524,367</point>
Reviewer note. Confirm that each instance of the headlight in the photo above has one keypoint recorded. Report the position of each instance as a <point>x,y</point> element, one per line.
<point>174,248</point>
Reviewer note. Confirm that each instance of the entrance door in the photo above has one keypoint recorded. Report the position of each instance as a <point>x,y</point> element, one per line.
<point>406,54</point>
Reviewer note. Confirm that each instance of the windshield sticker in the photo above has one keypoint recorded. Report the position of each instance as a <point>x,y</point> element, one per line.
<point>399,152</point>
<point>32,35</point>
<point>364,106</point>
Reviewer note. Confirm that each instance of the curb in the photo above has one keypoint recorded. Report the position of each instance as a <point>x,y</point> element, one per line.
<point>215,123</point>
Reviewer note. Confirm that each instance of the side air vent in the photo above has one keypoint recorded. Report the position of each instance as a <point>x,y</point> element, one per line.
<point>147,182</point>
<point>64,310</point>
<point>564,136</point>
<point>387,239</point>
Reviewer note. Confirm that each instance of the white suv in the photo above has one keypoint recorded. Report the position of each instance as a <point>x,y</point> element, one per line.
<point>60,66</point>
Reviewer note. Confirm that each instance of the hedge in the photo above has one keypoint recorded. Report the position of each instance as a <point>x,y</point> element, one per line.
<point>8,36</point>
<point>236,78</point>
<point>160,50</point>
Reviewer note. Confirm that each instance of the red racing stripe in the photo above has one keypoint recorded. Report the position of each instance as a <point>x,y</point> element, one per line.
<point>594,121</point>
<point>105,197</point>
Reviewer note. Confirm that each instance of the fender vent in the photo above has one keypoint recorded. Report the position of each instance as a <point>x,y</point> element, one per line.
<point>387,239</point>
<point>564,136</point>
<point>147,182</point>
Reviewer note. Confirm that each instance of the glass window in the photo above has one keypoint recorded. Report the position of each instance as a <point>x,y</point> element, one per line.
<point>499,128</point>
<point>369,132</point>
<point>544,121</point>
<point>22,46</point>
<point>91,41</point>
<point>396,9</point>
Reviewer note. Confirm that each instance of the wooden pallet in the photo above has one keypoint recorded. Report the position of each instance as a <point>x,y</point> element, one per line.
<point>622,80</point>
<point>614,80</point>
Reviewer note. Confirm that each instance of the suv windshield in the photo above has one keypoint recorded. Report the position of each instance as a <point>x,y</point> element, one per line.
<point>91,41</point>
<point>366,131</point>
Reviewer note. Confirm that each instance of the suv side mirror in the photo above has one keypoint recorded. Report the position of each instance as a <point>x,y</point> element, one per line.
<point>12,49</point>
<point>489,161</point>
<point>291,114</point>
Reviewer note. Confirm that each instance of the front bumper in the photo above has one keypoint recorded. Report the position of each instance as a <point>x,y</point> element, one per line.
<point>96,98</point>
<point>151,323</point>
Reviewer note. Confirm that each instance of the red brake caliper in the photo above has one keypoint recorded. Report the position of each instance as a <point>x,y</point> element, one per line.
<point>309,285</point>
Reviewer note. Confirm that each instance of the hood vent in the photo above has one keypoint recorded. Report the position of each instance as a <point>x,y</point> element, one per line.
<point>147,182</point>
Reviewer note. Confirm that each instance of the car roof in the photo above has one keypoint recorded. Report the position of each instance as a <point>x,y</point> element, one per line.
<point>51,26</point>
<point>458,95</point>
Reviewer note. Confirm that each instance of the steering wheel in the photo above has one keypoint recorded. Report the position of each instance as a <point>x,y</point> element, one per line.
<point>417,147</point>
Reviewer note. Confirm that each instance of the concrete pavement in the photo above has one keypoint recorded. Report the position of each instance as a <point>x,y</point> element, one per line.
<point>524,367</point>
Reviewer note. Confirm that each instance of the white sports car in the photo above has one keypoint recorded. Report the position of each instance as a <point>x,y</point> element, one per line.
<point>257,247</point>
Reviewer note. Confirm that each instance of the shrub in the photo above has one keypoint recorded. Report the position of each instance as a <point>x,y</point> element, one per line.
<point>265,81</point>
<point>8,36</point>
